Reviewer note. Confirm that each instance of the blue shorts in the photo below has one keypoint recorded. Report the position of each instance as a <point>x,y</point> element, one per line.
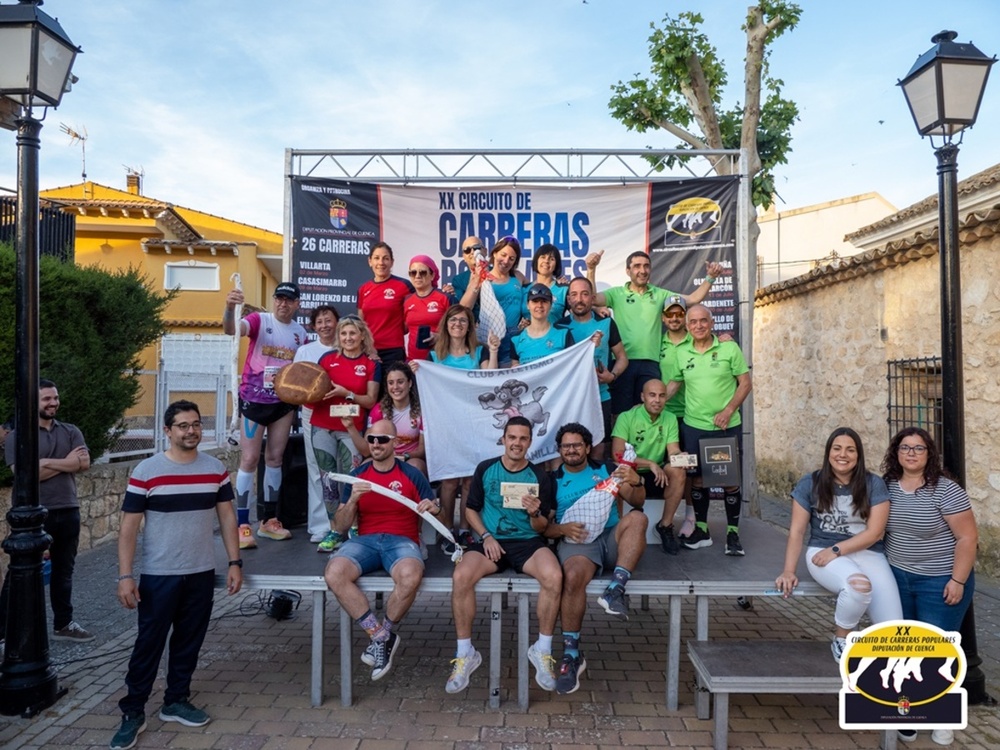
<point>373,552</point>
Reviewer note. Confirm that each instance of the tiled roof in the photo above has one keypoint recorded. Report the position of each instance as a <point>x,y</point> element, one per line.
<point>975,183</point>
<point>974,226</point>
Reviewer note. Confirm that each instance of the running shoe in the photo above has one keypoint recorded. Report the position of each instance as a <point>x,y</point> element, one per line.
<point>462,668</point>
<point>699,538</point>
<point>272,529</point>
<point>246,537</point>
<point>544,665</point>
<point>733,546</point>
<point>613,601</point>
<point>568,676</point>
<point>330,542</point>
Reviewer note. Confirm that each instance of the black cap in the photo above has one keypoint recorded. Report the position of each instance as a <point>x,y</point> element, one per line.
<point>540,291</point>
<point>287,289</point>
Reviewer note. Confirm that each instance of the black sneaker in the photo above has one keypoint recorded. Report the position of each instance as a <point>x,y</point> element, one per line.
<point>699,538</point>
<point>368,655</point>
<point>385,651</point>
<point>613,601</point>
<point>667,539</point>
<point>448,547</point>
<point>568,674</point>
<point>733,546</point>
<point>132,726</point>
<point>184,713</point>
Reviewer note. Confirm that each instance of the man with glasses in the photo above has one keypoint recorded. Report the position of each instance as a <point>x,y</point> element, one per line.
<point>62,455</point>
<point>618,548</point>
<point>180,494</point>
<point>655,435</point>
<point>274,339</point>
<point>637,306</point>
<point>510,503</point>
<point>388,539</point>
<point>716,381</point>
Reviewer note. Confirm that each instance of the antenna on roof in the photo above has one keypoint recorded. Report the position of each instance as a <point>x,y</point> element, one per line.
<point>74,136</point>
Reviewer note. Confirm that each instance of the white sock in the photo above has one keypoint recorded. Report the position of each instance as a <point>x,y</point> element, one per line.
<point>544,644</point>
<point>465,648</point>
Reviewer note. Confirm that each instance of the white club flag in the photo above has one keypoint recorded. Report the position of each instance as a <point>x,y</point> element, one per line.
<point>464,411</point>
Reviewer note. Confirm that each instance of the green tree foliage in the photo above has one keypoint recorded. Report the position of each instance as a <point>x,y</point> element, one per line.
<point>93,325</point>
<point>683,93</point>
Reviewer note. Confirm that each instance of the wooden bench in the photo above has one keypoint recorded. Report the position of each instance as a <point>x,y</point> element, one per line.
<point>794,667</point>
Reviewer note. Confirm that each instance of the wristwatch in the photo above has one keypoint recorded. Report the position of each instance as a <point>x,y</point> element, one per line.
<point>237,563</point>
<point>836,550</point>
<point>349,396</point>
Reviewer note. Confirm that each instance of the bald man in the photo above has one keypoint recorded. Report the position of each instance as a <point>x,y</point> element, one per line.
<point>388,539</point>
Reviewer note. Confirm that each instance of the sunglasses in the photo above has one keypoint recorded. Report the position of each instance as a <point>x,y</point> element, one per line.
<point>471,249</point>
<point>673,315</point>
<point>380,439</point>
<point>419,273</point>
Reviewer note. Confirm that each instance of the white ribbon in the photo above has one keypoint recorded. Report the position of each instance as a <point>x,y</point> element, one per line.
<point>406,503</point>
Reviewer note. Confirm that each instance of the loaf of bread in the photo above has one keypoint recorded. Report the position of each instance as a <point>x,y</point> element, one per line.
<point>301,383</point>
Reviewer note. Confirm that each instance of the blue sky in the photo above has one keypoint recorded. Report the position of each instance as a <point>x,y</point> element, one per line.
<point>205,96</point>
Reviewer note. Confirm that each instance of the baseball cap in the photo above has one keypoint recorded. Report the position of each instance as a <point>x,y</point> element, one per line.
<point>675,300</point>
<point>287,289</point>
<point>540,291</point>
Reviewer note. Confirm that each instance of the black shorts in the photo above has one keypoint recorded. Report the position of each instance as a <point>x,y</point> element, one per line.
<point>516,552</point>
<point>264,414</point>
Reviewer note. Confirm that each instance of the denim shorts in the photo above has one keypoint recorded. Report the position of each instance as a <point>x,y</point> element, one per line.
<point>373,552</point>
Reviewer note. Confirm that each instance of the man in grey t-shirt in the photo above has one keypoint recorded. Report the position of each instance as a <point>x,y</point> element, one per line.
<point>62,454</point>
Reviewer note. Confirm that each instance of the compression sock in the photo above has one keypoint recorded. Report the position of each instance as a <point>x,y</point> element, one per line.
<point>734,501</point>
<point>700,499</point>
<point>272,486</point>
<point>571,643</point>
<point>620,576</point>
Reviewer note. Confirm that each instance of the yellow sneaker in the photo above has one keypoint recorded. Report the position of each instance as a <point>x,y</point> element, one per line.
<point>246,537</point>
<point>272,529</point>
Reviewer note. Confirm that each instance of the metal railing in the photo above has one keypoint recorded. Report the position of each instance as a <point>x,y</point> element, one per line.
<point>56,229</point>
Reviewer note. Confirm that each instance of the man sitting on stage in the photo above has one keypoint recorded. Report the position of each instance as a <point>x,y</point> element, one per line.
<point>618,548</point>
<point>388,538</point>
<point>511,529</point>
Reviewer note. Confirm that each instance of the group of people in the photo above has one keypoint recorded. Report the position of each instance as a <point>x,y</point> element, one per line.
<point>897,546</point>
<point>666,383</point>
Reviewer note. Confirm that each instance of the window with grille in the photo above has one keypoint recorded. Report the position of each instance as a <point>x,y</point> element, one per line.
<point>915,395</point>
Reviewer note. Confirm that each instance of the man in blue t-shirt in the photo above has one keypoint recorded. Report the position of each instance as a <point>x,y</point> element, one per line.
<point>509,508</point>
<point>619,546</point>
<point>610,359</point>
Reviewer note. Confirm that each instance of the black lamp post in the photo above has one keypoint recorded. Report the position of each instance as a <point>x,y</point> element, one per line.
<point>944,89</point>
<point>36,57</point>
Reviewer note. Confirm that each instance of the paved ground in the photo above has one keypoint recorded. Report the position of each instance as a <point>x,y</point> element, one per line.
<point>254,681</point>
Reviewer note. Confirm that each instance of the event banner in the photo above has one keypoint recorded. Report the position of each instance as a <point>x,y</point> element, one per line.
<point>335,224</point>
<point>692,222</point>
<point>466,427</point>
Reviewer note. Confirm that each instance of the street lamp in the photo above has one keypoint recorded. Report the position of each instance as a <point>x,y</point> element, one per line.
<point>944,89</point>
<point>36,57</point>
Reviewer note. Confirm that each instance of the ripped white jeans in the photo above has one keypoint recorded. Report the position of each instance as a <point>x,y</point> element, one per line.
<point>862,581</point>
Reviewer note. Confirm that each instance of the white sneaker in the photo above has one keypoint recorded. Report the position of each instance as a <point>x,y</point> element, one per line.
<point>461,670</point>
<point>317,538</point>
<point>943,736</point>
<point>545,668</point>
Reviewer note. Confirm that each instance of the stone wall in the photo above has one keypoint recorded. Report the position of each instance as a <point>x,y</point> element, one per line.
<point>101,490</point>
<point>820,359</point>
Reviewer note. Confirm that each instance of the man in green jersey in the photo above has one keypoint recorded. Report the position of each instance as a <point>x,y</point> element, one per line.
<point>716,381</point>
